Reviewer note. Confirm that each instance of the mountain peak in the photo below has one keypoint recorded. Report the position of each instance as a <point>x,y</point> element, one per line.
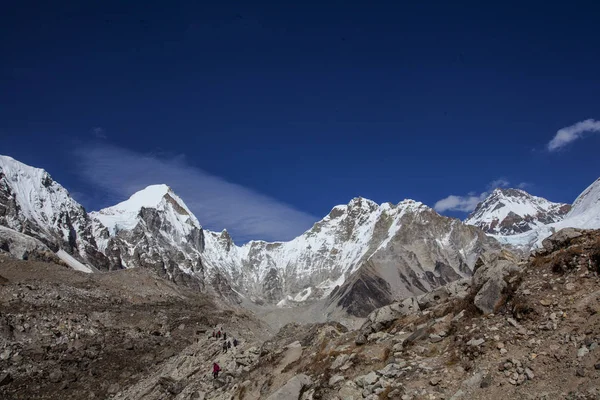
<point>125,214</point>
<point>508,211</point>
<point>511,192</point>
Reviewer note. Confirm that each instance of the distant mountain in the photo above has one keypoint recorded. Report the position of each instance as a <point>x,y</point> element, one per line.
<point>407,248</point>
<point>362,255</point>
<point>514,211</point>
<point>32,203</point>
<point>584,214</point>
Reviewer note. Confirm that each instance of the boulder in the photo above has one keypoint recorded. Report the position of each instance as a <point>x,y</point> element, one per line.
<point>367,380</point>
<point>392,370</point>
<point>560,238</point>
<point>335,379</point>
<point>292,389</point>
<point>339,361</point>
<point>350,392</point>
<point>383,317</point>
<point>490,280</point>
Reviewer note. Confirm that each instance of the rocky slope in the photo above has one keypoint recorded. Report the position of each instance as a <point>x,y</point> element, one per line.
<point>71,335</point>
<point>512,211</point>
<point>518,329</point>
<point>32,203</point>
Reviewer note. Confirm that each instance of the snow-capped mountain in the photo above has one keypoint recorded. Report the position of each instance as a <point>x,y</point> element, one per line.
<point>410,248</point>
<point>513,211</point>
<point>152,229</point>
<point>584,214</point>
<point>32,203</point>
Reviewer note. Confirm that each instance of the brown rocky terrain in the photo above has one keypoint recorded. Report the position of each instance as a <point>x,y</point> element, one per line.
<point>71,335</point>
<point>519,329</point>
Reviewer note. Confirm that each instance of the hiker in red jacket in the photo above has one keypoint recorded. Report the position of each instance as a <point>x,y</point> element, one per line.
<point>216,370</point>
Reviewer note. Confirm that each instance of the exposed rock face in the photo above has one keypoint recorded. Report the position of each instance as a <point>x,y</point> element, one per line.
<point>513,211</point>
<point>153,229</point>
<point>363,255</point>
<point>37,206</point>
<point>426,251</point>
<point>24,247</point>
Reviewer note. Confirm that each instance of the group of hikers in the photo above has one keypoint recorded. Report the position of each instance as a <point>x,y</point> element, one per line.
<point>226,346</point>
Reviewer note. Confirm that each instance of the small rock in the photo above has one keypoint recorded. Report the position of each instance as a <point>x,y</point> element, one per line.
<point>503,351</point>
<point>435,338</point>
<point>486,381</point>
<point>570,286</point>
<point>597,366</point>
<point>5,379</point>
<point>335,379</point>
<point>533,356</point>
<point>545,302</point>
<point>55,376</point>
<point>475,342</point>
<point>529,374</point>
<point>582,351</point>
<point>435,381</point>
<point>113,389</point>
<point>500,345</point>
<point>580,372</point>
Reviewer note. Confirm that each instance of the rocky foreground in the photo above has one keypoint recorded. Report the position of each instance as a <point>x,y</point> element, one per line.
<point>522,329</point>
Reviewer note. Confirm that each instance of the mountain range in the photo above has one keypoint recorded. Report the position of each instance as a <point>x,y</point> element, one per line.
<point>360,256</point>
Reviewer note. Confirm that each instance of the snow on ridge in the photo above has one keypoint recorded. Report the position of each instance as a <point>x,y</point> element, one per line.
<point>585,214</point>
<point>587,201</point>
<point>124,215</point>
<point>40,198</point>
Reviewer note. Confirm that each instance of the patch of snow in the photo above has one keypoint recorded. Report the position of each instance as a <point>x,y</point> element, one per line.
<point>72,262</point>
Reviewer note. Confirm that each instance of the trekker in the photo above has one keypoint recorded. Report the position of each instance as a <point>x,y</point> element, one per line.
<point>224,335</point>
<point>224,347</point>
<point>219,334</point>
<point>216,370</point>
<point>235,342</point>
<point>214,334</point>
<point>228,345</point>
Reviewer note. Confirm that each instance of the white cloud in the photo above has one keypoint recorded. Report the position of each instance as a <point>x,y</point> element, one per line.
<point>498,183</point>
<point>523,185</point>
<point>459,203</point>
<point>469,202</point>
<point>571,133</point>
<point>217,203</point>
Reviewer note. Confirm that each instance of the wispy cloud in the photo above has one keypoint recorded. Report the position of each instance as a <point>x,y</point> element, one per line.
<point>459,203</point>
<point>524,185</point>
<point>99,132</point>
<point>498,183</point>
<point>469,202</point>
<point>571,133</point>
<point>217,203</point>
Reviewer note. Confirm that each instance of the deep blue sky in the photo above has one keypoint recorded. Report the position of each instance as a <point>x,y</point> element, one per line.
<point>309,105</point>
